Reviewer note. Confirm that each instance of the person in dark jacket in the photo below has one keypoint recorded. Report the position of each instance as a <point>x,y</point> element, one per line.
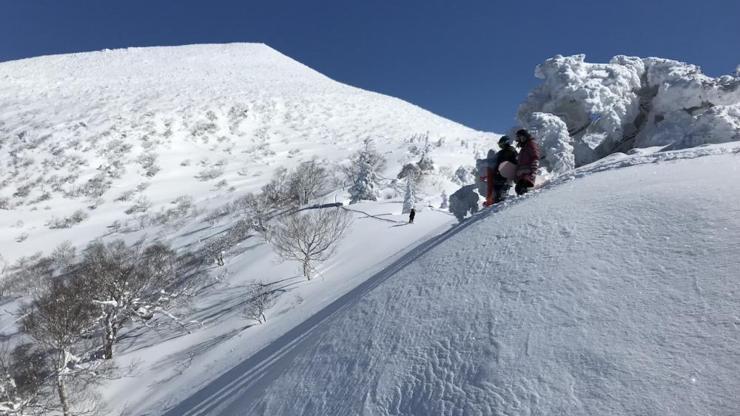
<point>412,215</point>
<point>501,185</point>
<point>497,185</point>
<point>527,163</point>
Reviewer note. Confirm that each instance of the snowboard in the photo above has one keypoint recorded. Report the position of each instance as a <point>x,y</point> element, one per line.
<point>507,170</point>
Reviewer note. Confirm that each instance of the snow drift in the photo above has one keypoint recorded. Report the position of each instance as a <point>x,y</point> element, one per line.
<point>629,102</point>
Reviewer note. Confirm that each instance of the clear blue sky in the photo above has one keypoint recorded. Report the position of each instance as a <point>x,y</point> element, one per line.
<point>470,61</point>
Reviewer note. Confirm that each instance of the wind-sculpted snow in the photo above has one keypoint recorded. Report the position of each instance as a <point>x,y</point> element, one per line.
<point>586,298</point>
<point>631,102</point>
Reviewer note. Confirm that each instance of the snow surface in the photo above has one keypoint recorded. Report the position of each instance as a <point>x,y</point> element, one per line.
<point>628,102</point>
<point>613,291</point>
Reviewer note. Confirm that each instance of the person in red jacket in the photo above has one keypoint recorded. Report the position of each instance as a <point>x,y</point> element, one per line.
<point>527,163</point>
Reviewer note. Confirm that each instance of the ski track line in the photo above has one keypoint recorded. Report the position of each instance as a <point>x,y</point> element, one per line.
<point>254,368</point>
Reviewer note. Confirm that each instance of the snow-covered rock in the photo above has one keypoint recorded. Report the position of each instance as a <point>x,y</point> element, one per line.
<point>631,102</point>
<point>554,140</point>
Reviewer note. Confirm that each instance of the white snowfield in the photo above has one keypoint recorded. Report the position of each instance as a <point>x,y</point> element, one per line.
<point>135,129</point>
<point>613,291</point>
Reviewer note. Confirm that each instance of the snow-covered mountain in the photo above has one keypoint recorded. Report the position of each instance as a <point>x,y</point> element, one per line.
<point>86,137</point>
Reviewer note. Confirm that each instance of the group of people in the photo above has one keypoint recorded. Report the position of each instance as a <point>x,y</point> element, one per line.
<point>526,160</point>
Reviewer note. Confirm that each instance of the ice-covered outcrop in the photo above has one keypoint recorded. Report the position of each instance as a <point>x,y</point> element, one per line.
<point>555,142</point>
<point>626,103</point>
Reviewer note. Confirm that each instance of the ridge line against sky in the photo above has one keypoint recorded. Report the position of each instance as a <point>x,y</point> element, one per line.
<point>470,61</point>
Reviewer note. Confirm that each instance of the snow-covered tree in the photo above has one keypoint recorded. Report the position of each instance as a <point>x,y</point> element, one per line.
<point>463,175</point>
<point>554,140</point>
<point>127,282</point>
<point>57,319</point>
<point>410,170</point>
<point>309,237</point>
<point>362,173</point>
<point>409,198</point>
<point>445,200</point>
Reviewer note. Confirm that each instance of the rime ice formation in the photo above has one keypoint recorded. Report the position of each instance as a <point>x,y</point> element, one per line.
<point>629,102</point>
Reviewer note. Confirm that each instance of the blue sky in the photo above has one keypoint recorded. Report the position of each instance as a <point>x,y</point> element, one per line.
<point>470,61</point>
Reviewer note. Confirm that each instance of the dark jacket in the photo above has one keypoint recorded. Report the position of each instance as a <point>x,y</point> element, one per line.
<point>528,161</point>
<point>507,154</point>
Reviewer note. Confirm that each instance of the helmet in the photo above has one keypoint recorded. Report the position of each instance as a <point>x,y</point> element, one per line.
<point>504,141</point>
<point>522,135</point>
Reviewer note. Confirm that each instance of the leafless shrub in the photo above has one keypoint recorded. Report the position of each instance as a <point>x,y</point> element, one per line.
<point>125,195</point>
<point>67,222</point>
<point>203,129</point>
<point>276,192</point>
<point>255,208</point>
<point>95,187</point>
<point>221,184</point>
<point>141,205</point>
<point>142,186</point>
<point>209,173</point>
<point>309,180</point>
<point>148,162</point>
<point>45,196</point>
<point>183,207</point>
<point>215,247</point>
<point>308,237</point>
<point>259,298</point>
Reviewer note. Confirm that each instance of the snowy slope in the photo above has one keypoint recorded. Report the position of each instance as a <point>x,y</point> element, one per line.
<point>614,291</point>
<point>124,130</point>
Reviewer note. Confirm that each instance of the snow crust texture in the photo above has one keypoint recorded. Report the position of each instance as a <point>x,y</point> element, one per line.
<point>626,103</point>
<point>589,299</point>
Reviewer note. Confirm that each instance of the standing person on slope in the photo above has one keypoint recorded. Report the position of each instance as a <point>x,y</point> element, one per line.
<point>498,185</point>
<point>501,185</point>
<point>527,163</point>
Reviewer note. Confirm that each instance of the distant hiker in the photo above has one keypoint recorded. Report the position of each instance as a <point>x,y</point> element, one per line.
<point>412,214</point>
<point>527,163</point>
